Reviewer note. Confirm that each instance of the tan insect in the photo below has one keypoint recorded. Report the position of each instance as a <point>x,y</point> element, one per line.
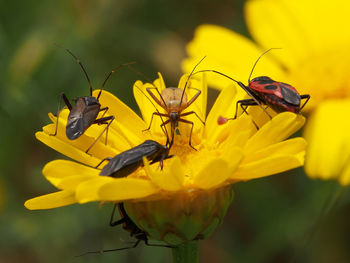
<point>174,102</point>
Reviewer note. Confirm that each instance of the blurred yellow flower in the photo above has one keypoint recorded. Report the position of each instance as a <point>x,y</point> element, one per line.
<point>315,58</point>
<point>194,180</point>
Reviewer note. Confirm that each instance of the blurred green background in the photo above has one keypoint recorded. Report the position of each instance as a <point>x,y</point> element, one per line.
<point>283,218</point>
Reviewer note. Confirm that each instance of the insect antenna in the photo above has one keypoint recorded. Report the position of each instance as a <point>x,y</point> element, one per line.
<point>164,130</point>
<point>217,72</point>
<point>259,59</point>
<point>149,80</point>
<point>110,73</point>
<point>246,89</point>
<point>189,76</point>
<point>81,65</point>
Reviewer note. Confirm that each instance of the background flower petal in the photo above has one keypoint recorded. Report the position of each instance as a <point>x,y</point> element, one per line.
<point>299,27</point>
<point>234,55</point>
<point>327,133</point>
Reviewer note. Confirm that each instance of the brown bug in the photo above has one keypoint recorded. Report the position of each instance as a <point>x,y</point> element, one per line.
<point>174,102</point>
<point>86,109</point>
<point>130,227</point>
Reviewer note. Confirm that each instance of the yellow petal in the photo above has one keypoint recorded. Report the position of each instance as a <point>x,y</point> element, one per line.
<point>72,182</point>
<point>288,147</point>
<point>223,101</point>
<point>279,128</point>
<point>67,149</point>
<point>237,133</point>
<point>268,166</point>
<point>171,181</point>
<point>57,199</point>
<point>232,155</point>
<point>160,82</point>
<point>216,172</point>
<point>58,170</point>
<point>65,168</point>
<point>88,190</point>
<point>148,106</point>
<point>126,119</point>
<point>327,133</point>
<point>121,189</point>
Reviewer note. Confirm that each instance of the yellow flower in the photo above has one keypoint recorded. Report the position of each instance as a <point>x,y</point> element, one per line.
<point>315,58</point>
<point>189,197</point>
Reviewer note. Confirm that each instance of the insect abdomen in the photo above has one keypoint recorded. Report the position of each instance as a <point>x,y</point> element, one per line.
<point>279,105</point>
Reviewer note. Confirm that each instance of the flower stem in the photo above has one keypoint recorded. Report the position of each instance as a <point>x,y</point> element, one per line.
<point>186,253</point>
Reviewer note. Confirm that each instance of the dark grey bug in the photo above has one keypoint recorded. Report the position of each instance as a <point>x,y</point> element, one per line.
<point>127,162</point>
<point>85,110</point>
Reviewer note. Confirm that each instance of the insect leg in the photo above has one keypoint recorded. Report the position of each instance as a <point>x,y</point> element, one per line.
<point>157,245</point>
<point>69,106</point>
<point>118,222</point>
<point>155,113</point>
<point>102,121</point>
<point>305,96</point>
<point>246,102</point>
<point>193,98</point>
<point>111,250</point>
<point>172,132</point>
<point>192,112</point>
<point>105,159</point>
<point>105,109</point>
<point>163,105</point>
<point>189,122</point>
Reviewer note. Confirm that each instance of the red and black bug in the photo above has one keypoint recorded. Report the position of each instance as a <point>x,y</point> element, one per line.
<point>264,91</point>
<point>84,112</point>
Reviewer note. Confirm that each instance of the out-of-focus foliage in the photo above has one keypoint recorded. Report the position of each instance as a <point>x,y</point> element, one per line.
<point>278,219</point>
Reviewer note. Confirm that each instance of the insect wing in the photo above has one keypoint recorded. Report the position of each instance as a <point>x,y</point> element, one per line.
<point>75,125</point>
<point>90,111</point>
<point>126,162</point>
<point>82,115</point>
<point>289,94</point>
<point>265,85</point>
